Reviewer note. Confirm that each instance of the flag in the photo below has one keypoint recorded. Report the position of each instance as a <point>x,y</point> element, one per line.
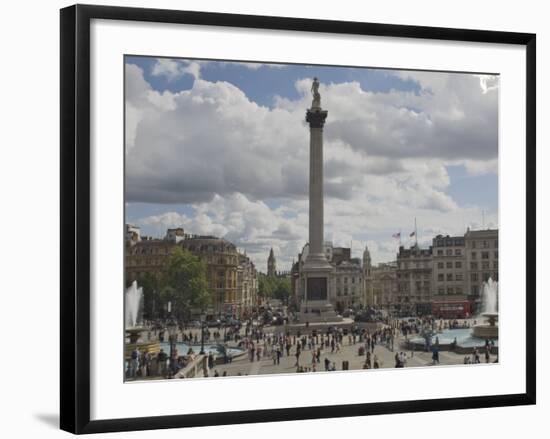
<point>412,234</point>
<point>396,235</point>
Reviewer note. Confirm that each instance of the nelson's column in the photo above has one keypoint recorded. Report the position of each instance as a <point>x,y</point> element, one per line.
<point>316,272</point>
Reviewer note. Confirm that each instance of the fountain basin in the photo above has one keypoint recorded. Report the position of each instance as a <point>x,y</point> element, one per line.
<point>485,331</point>
<point>466,341</point>
<point>213,348</point>
<point>489,330</point>
<point>134,333</point>
<point>151,347</point>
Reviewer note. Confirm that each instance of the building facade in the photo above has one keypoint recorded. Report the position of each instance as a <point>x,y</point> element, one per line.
<point>231,276</point>
<point>146,256</point>
<point>414,280</point>
<point>383,285</point>
<point>247,284</point>
<point>449,267</point>
<point>446,279</point>
<point>482,262</point>
<point>347,283</point>
<point>222,262</point>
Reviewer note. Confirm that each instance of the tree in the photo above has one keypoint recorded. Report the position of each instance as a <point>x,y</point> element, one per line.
<point>271,287</point>
<point>151,289</point>
<point>265,286</point>
<point>282,289</point>
<point>184,284</point>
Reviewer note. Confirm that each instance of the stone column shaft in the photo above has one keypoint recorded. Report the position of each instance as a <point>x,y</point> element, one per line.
<point>316,208</point>
<point>316,118</point>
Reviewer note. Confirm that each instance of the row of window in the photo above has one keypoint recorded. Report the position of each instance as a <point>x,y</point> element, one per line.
<point>457,264</point>
<point>405,265</point>
<point>414,275</point>
<point>484,244</point>
<point>485,265</point>
<point>484,255</point>
<point>450,277</point>
<point>133,261</point>
<point>449,242</point>
<point>150,250</point>
<point>211,248</point>
<point>450,252</point>
<point>346,291</point>
<point>404,287</point>
<point>338,280</point>
<point>450,290</point>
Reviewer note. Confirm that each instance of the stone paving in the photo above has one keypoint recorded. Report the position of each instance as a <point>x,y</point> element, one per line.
<point>348,352</point>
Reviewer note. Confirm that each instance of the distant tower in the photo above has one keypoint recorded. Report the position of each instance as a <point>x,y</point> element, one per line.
<point>271,264</point>
<point>366,262</point>
<point>368,287</point>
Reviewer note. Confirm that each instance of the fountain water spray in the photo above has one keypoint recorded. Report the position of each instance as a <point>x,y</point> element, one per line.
<point>489,298</point>
<point>489,304</point>
<point>132,317</point>
<point>133,298</point>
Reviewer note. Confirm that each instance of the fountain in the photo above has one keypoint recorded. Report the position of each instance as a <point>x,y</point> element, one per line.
<point>489,300</point>
<point>132,302</point>
<point>464,340</point>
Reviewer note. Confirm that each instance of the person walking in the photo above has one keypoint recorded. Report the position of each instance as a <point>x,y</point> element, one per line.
<point>134,363</point>
<point>368,360</point>
<point>161,362</point>
<point>476,357</point>
<point>298,352</point>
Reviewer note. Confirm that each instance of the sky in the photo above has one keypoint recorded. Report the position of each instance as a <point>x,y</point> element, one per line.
<point>222,148</point>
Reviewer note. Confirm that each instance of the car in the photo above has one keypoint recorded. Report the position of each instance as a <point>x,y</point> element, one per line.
<point>231,322</point>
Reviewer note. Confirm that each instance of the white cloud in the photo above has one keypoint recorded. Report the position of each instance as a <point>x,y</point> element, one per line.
<point>385,159</point>
<point>173,69</point>
<point>251,225</point>
<point>481,167</point>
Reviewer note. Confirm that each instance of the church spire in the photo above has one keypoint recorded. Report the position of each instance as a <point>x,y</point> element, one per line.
<point>271,264</point>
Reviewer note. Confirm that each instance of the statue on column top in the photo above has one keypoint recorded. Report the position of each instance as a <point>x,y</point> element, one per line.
<point>316,103</point>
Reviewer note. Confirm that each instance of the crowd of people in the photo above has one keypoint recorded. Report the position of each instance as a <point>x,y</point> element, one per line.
<point>311,351</point>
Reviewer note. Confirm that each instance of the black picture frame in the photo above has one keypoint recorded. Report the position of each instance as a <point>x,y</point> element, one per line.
<point>75,217</point>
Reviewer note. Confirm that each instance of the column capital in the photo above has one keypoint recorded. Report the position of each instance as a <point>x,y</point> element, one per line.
<point>316,118</point>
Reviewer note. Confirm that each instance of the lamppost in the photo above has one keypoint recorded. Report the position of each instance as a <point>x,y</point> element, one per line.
<point>202,333</point>
<point>172,334</point>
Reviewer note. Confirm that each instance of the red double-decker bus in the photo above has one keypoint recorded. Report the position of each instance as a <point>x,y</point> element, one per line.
<point>451,309</point>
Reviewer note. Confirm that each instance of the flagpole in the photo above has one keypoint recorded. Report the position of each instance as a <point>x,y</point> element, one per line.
<point>415,233</point>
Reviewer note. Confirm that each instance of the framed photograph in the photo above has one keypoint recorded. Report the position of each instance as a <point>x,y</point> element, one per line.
<point>276,218</point>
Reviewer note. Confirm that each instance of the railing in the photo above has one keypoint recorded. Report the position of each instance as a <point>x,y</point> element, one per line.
<point>195,368</point>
